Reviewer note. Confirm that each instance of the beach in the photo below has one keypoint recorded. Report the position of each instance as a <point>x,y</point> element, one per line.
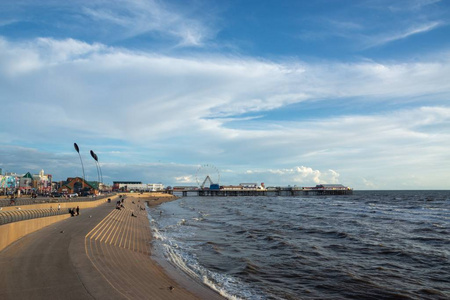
<point>104,253</point>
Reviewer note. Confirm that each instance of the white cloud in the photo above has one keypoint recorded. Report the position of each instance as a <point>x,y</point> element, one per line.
<point>300,175</point>
<point>375,41</point>
<point>7,22</point>
<point>168,107</point>
<point>207,87</point>
<point>185,179</point>
<point>411,5</point>
<point>136,18</point>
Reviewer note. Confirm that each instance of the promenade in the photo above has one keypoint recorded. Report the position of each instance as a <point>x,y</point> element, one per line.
<point>102,254</point>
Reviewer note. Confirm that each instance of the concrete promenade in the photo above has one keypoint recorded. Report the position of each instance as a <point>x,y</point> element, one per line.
<point>102,254</point>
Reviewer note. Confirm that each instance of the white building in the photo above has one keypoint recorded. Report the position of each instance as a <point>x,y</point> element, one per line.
<point>137,186</point>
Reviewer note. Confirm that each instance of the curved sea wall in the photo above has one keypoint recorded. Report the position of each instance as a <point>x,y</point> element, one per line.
<point>9,233</point>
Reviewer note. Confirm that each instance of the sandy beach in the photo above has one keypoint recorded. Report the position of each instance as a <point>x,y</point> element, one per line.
<point>105,253</point>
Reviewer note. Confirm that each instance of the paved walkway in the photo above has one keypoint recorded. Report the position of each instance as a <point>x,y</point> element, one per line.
<point>101,254</point>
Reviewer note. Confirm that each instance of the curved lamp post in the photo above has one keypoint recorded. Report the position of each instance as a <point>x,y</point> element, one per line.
<point>95,157</point>
<point>100,167</point>
<point>78,150</point>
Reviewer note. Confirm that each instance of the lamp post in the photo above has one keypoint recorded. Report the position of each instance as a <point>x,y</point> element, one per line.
<point>101,174</point>
<point>78,150</point>
<point>94,156</point>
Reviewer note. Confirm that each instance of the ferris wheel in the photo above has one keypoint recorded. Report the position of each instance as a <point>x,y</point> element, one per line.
<point>206,173</point>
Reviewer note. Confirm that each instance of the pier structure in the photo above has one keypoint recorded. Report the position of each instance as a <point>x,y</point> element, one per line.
<point>319,190</point>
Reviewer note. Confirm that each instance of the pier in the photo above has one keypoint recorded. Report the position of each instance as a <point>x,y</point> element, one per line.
<point>274,192</point>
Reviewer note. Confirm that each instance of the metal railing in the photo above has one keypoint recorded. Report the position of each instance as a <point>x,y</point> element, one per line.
<point>21,214</point>
<point>27,214</point>
<point>42,200</point>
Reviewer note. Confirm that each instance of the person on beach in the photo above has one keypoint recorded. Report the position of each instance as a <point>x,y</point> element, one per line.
<point>59,206</point>
<point>78,210</point>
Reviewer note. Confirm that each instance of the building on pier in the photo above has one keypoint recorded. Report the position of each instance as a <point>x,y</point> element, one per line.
<point>328,187</point>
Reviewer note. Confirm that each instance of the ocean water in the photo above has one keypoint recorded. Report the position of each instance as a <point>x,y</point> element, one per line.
<point>370,245</point>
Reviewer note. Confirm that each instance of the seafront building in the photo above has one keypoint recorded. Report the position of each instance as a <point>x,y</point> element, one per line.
<point>79,186</point>
<point>28,183</point>
<point>136,186</point>
<point>12,183</point>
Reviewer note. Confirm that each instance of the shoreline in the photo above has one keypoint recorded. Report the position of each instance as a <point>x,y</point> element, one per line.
<point>194,286</point>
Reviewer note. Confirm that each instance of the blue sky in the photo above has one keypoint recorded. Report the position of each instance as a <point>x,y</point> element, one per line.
<point>280,92</point>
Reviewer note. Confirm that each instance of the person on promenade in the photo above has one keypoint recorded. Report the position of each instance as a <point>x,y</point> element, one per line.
<point>78,210</point>
<point>59,206</point>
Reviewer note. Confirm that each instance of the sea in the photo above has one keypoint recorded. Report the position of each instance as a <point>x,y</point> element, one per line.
<point>369,245</point>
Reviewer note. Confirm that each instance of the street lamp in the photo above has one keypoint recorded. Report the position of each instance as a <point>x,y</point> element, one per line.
<point>94,156</point>
<point>78,150</point>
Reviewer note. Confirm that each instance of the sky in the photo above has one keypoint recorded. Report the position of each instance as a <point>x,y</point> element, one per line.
<point>280,92</point>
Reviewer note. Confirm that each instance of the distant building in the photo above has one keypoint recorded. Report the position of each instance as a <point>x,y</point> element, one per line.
<point>26,183</point>
<point>248,185</point>
<point>185,187</point>
<point>331,187</point>
<point>42,182</point>
<point>137,186</point>
<point>78,185</point>
<point>155,187</point>
<point>9,182</point>
<point>124,185</point>
<point>231,187</point>
<point>328,187</point>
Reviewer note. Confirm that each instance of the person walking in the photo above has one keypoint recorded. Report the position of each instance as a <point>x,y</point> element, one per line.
<point>78,210</point>
<point>59,206</point>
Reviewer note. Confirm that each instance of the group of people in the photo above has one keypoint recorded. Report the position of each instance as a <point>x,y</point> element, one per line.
<point>73,211</point>
<point>119,203</point>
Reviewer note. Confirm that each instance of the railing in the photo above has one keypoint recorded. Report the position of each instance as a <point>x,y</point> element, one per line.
<point>41,200</point>
<point>26,214</point>
<point>21,214</point>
